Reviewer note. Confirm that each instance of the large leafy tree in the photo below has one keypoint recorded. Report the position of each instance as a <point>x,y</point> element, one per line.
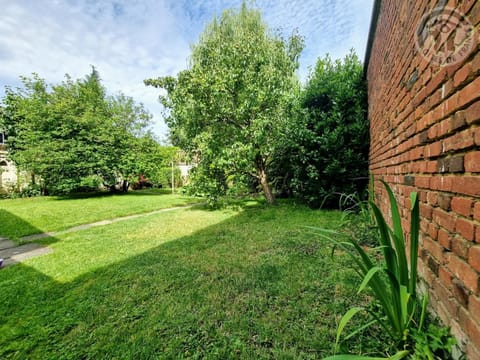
<point>72,134</point>
<point>228,107</point>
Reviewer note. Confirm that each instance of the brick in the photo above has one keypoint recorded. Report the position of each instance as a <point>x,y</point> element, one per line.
<point>476,211</point>
<point>432,229</point>
<point>409,180</point>
<point>443,165</point>
<point>460,247</point>
<point>460,292</point>
<point>477,234</point>
<point>457,120</point>
<point>445,277</point>
<point>473,349</point>
<point>433,150</point>
<point>474,257</point>
<point>472,113</point>
<point>433,265</point>
<point>474,307</point>
<point>443,219</point>
<point>460,140</point>
<point>466,6</point>
<point>476,134</point>
<point>465,228</point>
<point>462,74</point>
<point>422,181</point>
<point>456,164</point>
<point>473,332</point>
<point>444,238</point>
<point>461,270</point>
<point>467,185</point>
<point>433,248</point>
<point>443,183</point>
<point>425,211</point>
<point>431,167</point>
<point>472,161</point>
<point>431,198</point>
<point>469,93</point>
<point>444,201</point>
<point>462,206</point>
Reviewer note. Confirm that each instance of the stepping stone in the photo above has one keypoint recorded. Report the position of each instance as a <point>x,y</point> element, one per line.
<point>20,253</point>
<point>36,236</point>
<point>6,244</point>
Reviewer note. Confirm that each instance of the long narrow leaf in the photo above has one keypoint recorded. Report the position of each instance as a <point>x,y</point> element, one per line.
<point>398,238</point>
<point>388,252</point>
<point>404,301</point>
<point>414,234</point>
<point>424,311</point>
<point>343,322</point>
<point>368,277</point>
<point>398,356</point>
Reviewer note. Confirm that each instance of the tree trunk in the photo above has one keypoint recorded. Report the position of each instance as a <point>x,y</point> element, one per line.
<point>125,185</point>
<point>262,176</point>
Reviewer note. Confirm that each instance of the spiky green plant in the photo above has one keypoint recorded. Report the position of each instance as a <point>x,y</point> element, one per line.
<point>392,281</point>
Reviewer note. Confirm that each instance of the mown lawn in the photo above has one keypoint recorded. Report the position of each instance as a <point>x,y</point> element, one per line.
<point>20,217</point>
<point>246,283</point>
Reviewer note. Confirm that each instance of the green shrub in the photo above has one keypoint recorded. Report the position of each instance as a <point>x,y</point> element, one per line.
<point>327,142</point>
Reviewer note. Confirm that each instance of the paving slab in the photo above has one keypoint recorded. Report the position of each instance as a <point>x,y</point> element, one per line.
<point>20,253</point>
<point>6,244</point>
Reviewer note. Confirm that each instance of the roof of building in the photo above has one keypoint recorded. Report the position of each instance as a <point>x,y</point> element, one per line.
<point>371,33</point>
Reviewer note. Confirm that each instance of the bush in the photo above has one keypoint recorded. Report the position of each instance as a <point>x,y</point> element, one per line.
<point>164,178</point>
<point>327,141</point>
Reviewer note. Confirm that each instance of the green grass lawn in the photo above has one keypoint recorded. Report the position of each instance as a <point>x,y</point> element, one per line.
<point>20,217</point>
<point>249,283</point>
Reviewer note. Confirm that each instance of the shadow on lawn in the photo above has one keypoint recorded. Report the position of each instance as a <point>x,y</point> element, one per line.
<point>102,194</point>
<point>217,294</point>
<point>12,227</point>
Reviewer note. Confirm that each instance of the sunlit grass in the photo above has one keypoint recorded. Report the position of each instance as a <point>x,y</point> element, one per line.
<point>249,283</point>
<point>20,217</point>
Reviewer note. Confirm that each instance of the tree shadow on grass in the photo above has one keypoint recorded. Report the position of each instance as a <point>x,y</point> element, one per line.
<point>101,194</point>
<point>219,293</point>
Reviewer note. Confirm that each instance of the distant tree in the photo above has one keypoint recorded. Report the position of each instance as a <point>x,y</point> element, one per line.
<point>325,150</point>
<point>228,108</point>
<point>72,135</point>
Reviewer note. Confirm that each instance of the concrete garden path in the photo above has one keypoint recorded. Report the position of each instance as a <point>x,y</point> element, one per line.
<point>13,253</point>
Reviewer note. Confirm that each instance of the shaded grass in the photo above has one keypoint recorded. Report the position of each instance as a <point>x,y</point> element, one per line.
<point>20,217</point>
<point>249,284</point>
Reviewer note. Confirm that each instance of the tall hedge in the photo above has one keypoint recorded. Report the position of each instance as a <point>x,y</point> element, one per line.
<point>328,141</point>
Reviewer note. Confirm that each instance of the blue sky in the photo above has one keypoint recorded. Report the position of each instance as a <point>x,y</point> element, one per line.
<point>131,40</point>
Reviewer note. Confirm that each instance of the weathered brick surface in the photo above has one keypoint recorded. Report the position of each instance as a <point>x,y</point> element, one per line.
<point>425,137</point>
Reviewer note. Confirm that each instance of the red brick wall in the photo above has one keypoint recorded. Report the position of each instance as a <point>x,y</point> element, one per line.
<point>425,137</point>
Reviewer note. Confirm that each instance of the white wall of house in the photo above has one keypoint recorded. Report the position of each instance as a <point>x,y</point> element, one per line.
<point>8,171</point>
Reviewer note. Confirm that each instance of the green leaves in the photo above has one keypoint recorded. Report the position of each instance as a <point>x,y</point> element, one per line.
<point>72,133</point>
<point>327,137</point>
<point>392,280</point>
<point>235,92</point>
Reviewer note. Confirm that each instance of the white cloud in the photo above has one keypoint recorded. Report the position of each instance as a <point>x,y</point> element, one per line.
<point>128,41</point>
